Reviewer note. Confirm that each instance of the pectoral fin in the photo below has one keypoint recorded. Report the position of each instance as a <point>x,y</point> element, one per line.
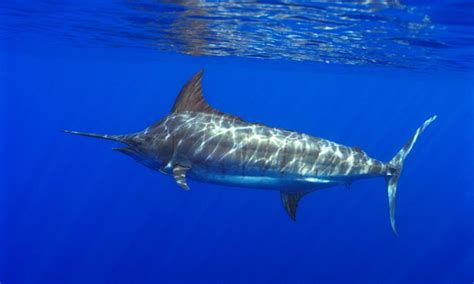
<point>290,202</point>
<point>179,174</point>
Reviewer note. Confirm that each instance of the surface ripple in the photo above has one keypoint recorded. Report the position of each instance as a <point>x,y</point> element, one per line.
<point>370,32</point>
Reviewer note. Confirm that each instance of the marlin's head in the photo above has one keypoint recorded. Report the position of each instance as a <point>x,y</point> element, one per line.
<point>146,149</point>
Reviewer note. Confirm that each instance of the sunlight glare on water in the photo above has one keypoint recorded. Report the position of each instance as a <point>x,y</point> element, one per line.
<point>369,32</point>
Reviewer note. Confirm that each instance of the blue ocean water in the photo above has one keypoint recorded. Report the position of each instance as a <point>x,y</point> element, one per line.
<point>361,73</point>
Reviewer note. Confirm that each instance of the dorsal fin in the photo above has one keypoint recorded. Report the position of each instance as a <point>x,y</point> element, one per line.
<point>290,202</point>
<point>191,99</point>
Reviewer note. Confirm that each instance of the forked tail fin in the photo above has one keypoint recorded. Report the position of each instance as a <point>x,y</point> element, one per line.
<point>397,163</point>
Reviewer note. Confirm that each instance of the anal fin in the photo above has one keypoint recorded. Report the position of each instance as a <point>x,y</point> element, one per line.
<point>179,174</point>
<point>290,202</point>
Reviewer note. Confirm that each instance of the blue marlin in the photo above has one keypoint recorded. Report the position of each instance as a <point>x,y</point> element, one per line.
<point>196,141</point>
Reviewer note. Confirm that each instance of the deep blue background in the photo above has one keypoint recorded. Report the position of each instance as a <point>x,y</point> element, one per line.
<point>73,211</point>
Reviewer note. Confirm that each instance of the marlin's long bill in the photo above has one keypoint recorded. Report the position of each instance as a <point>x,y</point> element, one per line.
<point>196,141</point>
<point>118,138</point>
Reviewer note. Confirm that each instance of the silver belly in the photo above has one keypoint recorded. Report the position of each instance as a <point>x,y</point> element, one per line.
<point>280,183</point>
